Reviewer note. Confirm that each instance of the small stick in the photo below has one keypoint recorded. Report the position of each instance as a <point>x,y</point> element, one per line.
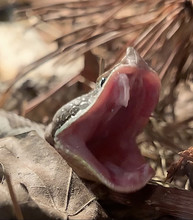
<point>16,206</point>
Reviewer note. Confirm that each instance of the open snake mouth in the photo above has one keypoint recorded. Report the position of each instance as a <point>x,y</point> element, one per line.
<point>102,141</point>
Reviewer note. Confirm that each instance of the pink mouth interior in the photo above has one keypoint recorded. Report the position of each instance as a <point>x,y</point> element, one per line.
<point>105,137</point>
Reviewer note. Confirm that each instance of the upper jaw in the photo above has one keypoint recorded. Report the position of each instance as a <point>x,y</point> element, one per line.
<point>132,58</point>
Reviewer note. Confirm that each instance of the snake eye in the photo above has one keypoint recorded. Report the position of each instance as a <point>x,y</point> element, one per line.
<point>102,81</point>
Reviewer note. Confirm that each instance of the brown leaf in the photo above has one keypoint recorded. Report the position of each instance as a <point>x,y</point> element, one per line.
<point>187,154</point>
<point>182,167</point>
<point>44,184</point>
<point>174,169</point>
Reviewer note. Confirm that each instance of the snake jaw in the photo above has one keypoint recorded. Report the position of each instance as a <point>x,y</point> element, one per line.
<point>100,144</point>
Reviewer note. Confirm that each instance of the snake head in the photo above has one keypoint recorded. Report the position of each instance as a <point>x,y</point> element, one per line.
<point>96,133</point>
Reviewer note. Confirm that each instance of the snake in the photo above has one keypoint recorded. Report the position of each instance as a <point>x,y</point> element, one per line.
<point>96,132</point>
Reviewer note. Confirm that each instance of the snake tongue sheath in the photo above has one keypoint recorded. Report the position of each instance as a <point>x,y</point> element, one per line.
<point>99,141</point>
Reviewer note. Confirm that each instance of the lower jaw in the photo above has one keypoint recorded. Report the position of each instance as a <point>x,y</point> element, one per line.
<point>125,172</point>
<point>128,182</point>
<point>114,177</point>
<point>127,179</point>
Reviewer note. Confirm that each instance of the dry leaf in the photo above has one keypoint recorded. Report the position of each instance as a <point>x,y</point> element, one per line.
<point>184,166</point>
<point>44,184</point>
